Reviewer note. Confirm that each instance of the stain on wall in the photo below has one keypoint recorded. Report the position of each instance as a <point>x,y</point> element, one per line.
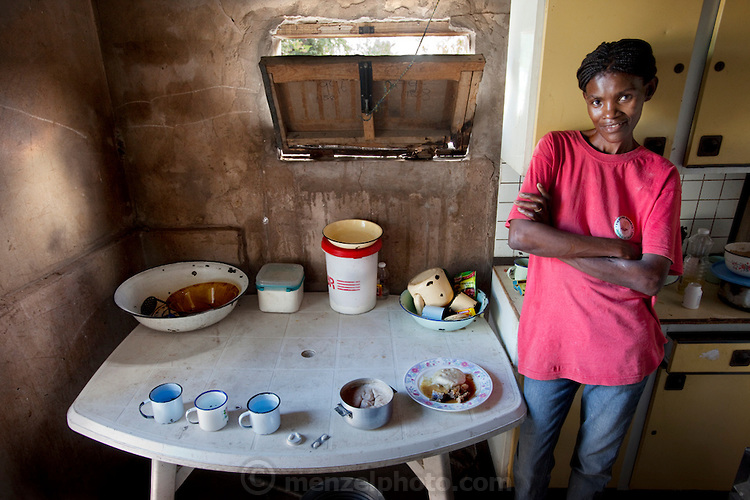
<point>62,191</point>
<point>199,151</point>
<point>137,132</point>
<point>64,217</point>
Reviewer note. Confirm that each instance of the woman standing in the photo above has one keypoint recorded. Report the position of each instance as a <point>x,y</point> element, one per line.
<point>599,215</point>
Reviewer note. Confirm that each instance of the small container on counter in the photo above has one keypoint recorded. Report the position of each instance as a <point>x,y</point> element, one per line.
<point>693,294</point>
<point>280,287</point>
<point>366,403</point>
<point>383,290</point>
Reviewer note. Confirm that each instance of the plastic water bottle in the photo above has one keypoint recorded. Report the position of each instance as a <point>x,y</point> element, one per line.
<point>695,265</point>
<point>382,281</point>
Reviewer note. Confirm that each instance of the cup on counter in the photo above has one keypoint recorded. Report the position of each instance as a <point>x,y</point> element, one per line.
<point>693,294</point>
<point>263,412</point>
<point>435,312</point>
<point>166,403</point>
<point>430,288</point>
<point>462,302</point>
<point>519,270</point>
<point>211,410</point>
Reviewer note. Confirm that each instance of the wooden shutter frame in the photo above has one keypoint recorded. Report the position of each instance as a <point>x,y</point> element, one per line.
<point>317,103</point>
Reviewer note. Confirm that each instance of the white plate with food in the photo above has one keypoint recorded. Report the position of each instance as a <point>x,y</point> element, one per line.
<point>448,384</point>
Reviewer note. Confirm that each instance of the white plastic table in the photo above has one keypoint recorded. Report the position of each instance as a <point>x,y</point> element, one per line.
<point>305,357</point>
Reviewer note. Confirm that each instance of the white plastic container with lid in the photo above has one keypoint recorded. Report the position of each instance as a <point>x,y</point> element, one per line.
<point>352,277</point>
<point>280,287</point>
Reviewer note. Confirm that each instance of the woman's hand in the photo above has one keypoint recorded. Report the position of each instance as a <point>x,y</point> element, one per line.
<point>646,274</point>
<point>534,206</point>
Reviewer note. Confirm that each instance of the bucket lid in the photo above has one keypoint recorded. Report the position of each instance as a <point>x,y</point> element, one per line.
<point>357,253</point>
<point>280,275</point>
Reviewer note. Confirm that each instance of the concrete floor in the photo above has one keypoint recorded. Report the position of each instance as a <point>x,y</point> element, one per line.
<point>471,468</point>
<point>472,473</point>
<point>204,483</point>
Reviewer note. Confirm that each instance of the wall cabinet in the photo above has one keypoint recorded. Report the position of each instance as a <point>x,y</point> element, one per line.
<point>720,128</point>
<point>548,39</point>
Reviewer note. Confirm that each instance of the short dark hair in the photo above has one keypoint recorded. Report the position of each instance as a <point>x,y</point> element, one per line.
<point>629,55</point>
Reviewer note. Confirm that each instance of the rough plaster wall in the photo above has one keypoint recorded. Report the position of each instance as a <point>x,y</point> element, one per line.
<point>55,136</point>
<point>63,208</point>
<point>54,334</point>
<point>195,137</point>
<point>197,140</point>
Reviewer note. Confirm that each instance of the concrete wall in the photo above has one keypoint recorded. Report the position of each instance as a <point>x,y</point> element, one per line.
<point>197,142</point>
<point>137,132</point>
<point>64,213</point>
<point>62,191</point>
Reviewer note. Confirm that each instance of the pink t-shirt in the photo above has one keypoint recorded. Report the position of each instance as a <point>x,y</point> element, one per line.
<point>575,326</point>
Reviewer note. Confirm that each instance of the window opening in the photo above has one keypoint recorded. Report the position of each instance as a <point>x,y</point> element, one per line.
<point>378,89</point>
<point>316,37</point>
<point>376,46</point>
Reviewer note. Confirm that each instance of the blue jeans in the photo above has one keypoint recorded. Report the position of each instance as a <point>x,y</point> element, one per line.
<point>606,413</point>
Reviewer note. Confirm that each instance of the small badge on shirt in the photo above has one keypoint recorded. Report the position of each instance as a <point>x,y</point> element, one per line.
<point>624,228</point>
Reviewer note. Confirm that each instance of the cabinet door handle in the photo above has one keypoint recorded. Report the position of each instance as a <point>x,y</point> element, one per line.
<point>675,382</point>
<point>740,357</point>
<point>709,145</point>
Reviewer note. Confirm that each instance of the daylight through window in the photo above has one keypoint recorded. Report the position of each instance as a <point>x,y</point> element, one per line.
<point>397,38</point>
<point>379,46</point>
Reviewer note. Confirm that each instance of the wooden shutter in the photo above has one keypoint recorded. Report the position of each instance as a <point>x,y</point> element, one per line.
<point>326,105</point>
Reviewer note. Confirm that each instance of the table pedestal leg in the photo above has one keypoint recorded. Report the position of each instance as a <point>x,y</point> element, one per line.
<point>435,474</point>
<point>166,478</point>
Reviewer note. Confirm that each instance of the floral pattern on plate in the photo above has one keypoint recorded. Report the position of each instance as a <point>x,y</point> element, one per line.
<point>416,373</point>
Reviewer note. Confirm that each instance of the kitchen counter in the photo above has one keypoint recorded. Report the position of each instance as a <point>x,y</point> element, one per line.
<point>713,314</point>
<point>712,310</point>
<point>673,431</point>
<point>668,306</point>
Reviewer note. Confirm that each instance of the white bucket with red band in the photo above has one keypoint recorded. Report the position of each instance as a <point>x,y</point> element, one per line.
<point>352,277</point>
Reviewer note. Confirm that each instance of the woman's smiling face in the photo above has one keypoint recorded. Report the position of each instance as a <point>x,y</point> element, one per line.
<point>614,102</point>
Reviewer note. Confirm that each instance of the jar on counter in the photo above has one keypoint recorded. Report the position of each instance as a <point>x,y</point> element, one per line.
<point>383,291</point>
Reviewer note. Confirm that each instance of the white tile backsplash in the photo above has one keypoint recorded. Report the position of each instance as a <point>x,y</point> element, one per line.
<point>708,200</point>
<point>732,188</point>
<point>711,190</point>
<point>508,192</point>
<point>691,190</point>
<point>726,209</point>
<point>721,228</point>
<point>509,175</point>
<point>501,232</point>
<point>706,209</point>
<point>687,211</point>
